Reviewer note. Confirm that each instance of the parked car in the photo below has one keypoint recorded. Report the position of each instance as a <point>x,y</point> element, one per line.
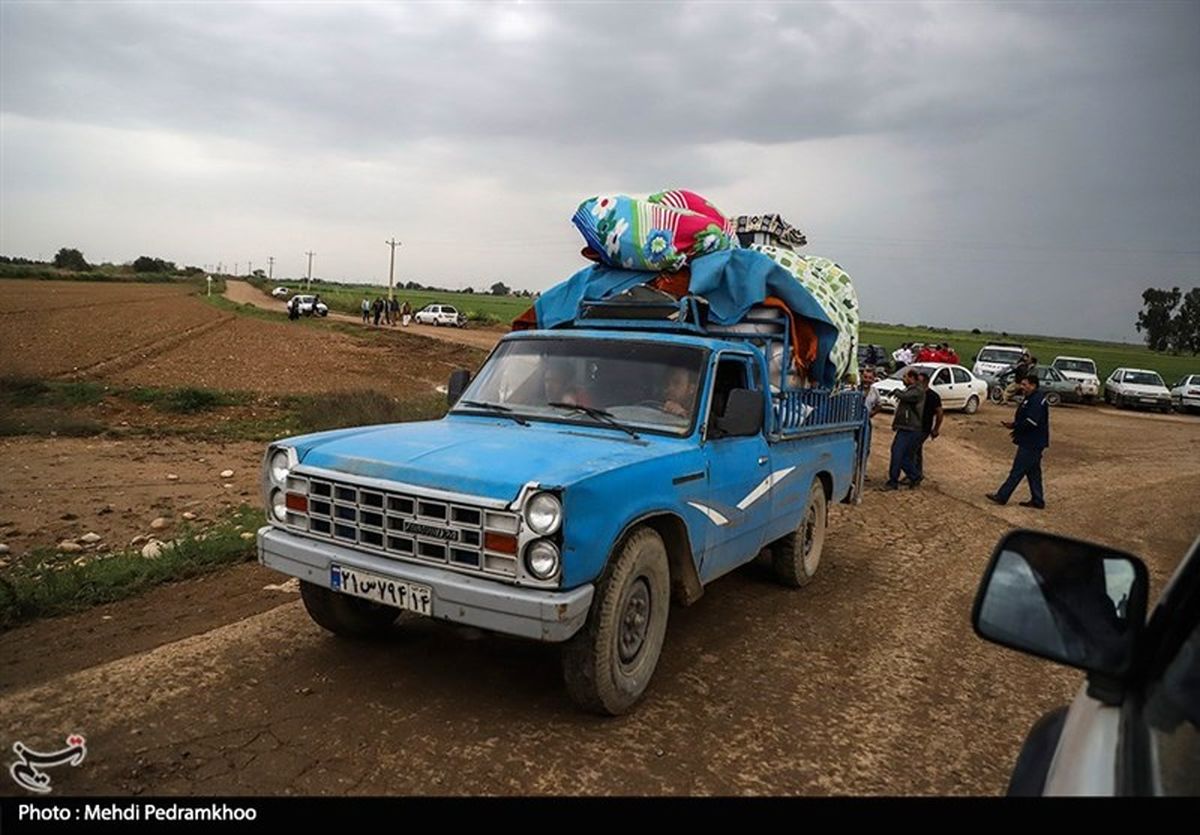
<point>586,480</point>
<point>1083,371</point>
<point>958,387</point>
<point>992,359</point>
<point>1134,726</point>
<point>440,314</point>
<point>1137,388</point>
<point>280,292</point>
<point>308,305</point>
<point>1185,394</point>
<point>1056,387</point>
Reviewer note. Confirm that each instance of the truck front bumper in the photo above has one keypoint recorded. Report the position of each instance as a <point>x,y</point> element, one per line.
<point>551,616</point>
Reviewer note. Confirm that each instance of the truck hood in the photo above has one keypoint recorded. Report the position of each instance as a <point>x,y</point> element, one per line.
<point>479,456</point>
<point>1143,389</point>
<point>1081,376</point>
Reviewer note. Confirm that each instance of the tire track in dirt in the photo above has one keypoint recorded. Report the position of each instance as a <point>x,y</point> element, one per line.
<point>138,354</point>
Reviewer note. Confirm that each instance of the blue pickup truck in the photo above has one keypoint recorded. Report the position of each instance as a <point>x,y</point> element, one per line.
<point>588,478</point>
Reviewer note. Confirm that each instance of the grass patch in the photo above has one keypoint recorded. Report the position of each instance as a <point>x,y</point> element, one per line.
<point>54,585</point>
<point>366,407</point>
<point>188,400</point>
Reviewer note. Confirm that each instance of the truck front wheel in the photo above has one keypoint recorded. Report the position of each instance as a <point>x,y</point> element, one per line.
<point>797,556</point>
<point>608,664</point>
<point>341,614</point>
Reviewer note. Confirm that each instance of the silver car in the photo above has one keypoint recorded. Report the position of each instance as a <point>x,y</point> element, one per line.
<point>1134,726</point>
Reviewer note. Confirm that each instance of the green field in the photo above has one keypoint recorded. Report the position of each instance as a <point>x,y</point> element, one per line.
<point>477,307</point>
<point>1107,355</point>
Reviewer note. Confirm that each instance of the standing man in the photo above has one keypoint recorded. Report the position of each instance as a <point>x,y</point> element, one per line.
<point>907,426</point>
<point>872,406</point>
<point>377,307</point>
<point>366,311</point>
<point>1031,433</point>
<point>1022,369</point>
<point>931,425</point>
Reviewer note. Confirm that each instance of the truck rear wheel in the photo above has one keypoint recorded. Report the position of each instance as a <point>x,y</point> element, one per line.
<point>608,664</point>
<point>797,556</point>
<point>341,614</point>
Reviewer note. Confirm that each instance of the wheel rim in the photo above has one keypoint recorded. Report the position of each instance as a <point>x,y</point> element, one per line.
<point>635,621</point>
<point>809,556</point>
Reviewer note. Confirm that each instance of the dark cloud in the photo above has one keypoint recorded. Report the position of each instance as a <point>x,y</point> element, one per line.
<point>955,157</point>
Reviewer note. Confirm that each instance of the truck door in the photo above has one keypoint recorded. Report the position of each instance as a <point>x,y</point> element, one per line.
<point>739,474</point>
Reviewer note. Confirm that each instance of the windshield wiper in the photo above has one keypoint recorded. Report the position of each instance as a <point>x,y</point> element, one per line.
<point>598,414</point>
<point>503,411</point>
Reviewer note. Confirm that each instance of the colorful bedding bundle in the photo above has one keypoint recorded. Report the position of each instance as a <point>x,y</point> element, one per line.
<point>679,243</point>
<point>660,233</point>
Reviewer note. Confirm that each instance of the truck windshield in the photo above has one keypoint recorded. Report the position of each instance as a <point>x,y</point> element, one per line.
<point>1078,366</point>
<point>645,385</point>
<point>1006,356</point>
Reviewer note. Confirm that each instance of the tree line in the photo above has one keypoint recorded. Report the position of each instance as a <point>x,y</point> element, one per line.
<point>1170,320</point>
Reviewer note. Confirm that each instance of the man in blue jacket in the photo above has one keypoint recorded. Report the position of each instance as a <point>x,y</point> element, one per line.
<point>1031,433</point>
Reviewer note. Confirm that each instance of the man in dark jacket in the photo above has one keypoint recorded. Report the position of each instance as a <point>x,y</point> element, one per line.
<point>1031,433</point>
<point>931,425</point>
<point>910,405</point>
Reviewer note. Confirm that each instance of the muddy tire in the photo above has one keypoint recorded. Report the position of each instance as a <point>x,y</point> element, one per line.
<point>972,405</point>
<point>797,556</point>
<point>608,664</point>
<point>346,616</point>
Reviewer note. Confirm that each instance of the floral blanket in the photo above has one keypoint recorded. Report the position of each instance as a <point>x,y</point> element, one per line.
<point>661,233</point>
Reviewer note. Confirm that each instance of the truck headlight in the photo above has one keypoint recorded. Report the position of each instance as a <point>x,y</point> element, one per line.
<point>541,558</point>
<point>543,514</point>
<point>278,466</point>
<point>278,505</point>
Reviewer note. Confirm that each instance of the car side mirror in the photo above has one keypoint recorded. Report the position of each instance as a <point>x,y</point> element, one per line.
<point>743,413</point>
<point>459,380</point>
<point>1073,602</point>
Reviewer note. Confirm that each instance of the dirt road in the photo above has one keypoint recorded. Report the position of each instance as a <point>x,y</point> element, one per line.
<point>243,293</point>
<point>867,681</point>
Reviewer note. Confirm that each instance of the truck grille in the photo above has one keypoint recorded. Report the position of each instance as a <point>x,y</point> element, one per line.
<point>403,526</point>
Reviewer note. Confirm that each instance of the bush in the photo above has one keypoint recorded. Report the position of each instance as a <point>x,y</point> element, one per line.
<point>71,259</point>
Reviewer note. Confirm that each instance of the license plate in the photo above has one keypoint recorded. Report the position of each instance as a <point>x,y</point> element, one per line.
<point>1149,400</point>
<point>399,593</point>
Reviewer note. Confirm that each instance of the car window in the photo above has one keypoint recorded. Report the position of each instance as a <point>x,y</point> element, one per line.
<point>942,378</point>
<point>1172,712</point>
<point>449,310</point>
<point>960,375</point>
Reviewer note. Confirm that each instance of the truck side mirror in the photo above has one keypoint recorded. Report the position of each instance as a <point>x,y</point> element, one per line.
<point>1079,604</point>
<point>460,378</point>
<point>743,413</point>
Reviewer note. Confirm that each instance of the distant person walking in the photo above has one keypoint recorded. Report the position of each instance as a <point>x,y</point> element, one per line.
<point>1031,433</point>
<point>903,355</point>
<point>366,311</point>
<point>377,307</point>
<point>931,424</point>
<point>907,425</point>
<point>405,313</point>
<point>394,311</point>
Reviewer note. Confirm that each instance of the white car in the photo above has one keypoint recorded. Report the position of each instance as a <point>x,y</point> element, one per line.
<point>440,314</point>
<point>958,387</point>
<point>1185,394</point>
<point>280,292</point>
<point>992,359</point>
<point>1133,728</point>
<point>308,305</point>
<point>1137,388</point>
<point>1083,371</point>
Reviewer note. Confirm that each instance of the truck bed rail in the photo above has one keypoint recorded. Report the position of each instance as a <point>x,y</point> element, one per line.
<point>801,410</point>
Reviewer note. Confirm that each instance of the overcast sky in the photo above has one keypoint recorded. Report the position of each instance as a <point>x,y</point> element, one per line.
<point>1020,166</point>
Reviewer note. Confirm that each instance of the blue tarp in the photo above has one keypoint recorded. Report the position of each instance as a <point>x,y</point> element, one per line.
<point>732,281</point>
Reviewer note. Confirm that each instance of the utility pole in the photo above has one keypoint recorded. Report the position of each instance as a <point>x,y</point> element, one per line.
<point>271,268</point>
<point>393,243</point>
<point>235,266</point>
<point>249,268</point>
<point>308,282</point>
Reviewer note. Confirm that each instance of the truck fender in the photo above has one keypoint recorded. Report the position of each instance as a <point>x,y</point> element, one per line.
<point>686,587</point>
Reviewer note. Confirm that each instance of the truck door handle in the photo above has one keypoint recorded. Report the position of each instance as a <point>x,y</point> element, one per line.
<point>762,459</point>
